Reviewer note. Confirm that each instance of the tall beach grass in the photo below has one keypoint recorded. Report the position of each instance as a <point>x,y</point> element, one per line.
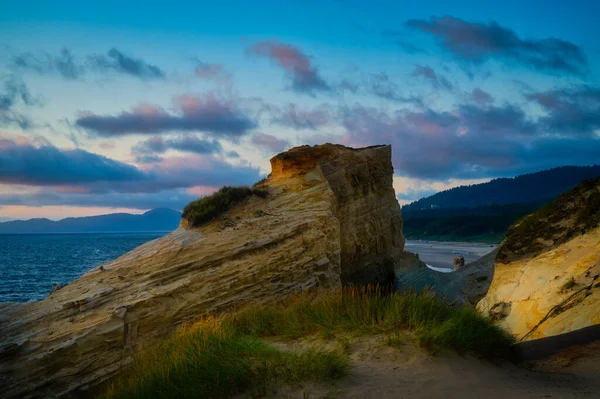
<point>221,355</point>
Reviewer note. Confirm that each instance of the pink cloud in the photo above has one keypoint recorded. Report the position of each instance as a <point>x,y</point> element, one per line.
<point>201,191</point>
<point>305,77</point>
<point>270,143</point>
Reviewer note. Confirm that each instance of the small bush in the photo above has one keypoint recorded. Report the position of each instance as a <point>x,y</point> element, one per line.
<point>207,208</point>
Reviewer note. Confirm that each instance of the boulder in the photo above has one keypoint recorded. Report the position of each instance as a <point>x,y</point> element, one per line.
<point>330,218</point>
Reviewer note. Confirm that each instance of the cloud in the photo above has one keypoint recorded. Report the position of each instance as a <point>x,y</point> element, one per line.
<point>477,42</point>
<point>206,114</point>
<point>398,37</point>
<point>210,71</point>
<point>77,177</point>
<point>13,92</point>
<point>174,199</point>
<point>574,110</point>
<point>66,65</point>
<point>117,61</point>
<point>270,143</point>
<point>380,85</point>
<point>292,117</point>
<point>28,164</point>
<point>481,97</point>
<point>305,76</point>
<point>145,151</point>
<point>429,74</point>
<point>468,142</point>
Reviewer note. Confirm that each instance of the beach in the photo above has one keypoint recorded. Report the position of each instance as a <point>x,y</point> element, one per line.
<point>440,254</point>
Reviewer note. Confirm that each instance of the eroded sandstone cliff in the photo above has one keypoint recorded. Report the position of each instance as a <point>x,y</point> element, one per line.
<point>547,272</point>
<point>330,218</point>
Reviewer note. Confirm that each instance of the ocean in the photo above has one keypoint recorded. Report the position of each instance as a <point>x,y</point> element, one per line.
<point>31,264</point>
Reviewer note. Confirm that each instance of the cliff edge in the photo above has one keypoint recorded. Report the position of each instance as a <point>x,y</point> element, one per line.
<point>330,218</point>
<point>547,271</point>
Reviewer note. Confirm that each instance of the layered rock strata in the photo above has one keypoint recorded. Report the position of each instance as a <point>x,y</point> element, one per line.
<point>331,218</point>
<point>547,272</point>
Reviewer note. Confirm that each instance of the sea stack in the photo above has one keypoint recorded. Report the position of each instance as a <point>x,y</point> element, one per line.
<point>330,218</point>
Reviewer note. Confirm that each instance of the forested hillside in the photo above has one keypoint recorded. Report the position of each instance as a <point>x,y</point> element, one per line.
<point>544,185</point>
<point>483,212</point>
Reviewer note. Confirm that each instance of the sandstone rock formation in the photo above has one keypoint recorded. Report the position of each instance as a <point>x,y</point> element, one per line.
<point>547,273</point>
<point>331,217</point>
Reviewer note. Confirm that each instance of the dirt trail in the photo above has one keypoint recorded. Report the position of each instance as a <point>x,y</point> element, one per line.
<point>407,372</point>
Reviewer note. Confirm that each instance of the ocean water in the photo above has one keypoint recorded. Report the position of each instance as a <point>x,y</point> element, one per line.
<point>30,264</point>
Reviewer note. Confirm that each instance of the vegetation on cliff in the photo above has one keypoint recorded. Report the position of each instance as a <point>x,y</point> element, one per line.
<point>571,214</point>
<point>207,208</point>
<point>217,357</point>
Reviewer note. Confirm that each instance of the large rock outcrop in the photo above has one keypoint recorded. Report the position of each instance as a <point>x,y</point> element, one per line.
<point>547,272</point>
<point>331,218</point>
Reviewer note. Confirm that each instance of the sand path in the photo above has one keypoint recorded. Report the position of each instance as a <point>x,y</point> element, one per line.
<point>407,372</point>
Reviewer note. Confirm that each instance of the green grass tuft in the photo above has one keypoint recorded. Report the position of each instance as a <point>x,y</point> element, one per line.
<point>437,325</point>
<point>207,208</point>
<point>209,360</point>
<point>218,357</point>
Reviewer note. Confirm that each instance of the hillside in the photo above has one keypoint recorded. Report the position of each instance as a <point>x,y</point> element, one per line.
<point>160,219</point>
<point>479,224</point>
<point>546,184</point>
<point>483,212</point>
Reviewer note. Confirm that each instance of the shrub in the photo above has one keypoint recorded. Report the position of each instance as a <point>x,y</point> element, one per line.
<point>207,208</point>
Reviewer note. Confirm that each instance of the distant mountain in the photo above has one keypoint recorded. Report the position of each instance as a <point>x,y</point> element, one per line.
<point>160,219</point>
<point>544,185</point>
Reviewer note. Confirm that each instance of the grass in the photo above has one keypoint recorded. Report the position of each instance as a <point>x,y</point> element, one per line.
<point>210,360</point>
<point>220,356</point>
<point>207,208</point>
<point>545,228</point>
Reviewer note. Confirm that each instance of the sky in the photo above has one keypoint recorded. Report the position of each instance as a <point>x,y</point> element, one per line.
<point>128,106</point>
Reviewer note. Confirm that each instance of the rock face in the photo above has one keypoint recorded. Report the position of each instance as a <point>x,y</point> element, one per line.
<point>331,218</point>
<point>465,286</point>
<point>547,272</point>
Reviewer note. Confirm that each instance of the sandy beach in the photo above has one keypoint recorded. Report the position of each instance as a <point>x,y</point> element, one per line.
<point>441,253</point>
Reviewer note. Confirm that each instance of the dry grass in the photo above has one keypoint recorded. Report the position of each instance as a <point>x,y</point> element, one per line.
<point>218,357</point>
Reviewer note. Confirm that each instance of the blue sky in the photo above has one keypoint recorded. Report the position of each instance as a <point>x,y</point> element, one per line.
<point>133,105</point>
